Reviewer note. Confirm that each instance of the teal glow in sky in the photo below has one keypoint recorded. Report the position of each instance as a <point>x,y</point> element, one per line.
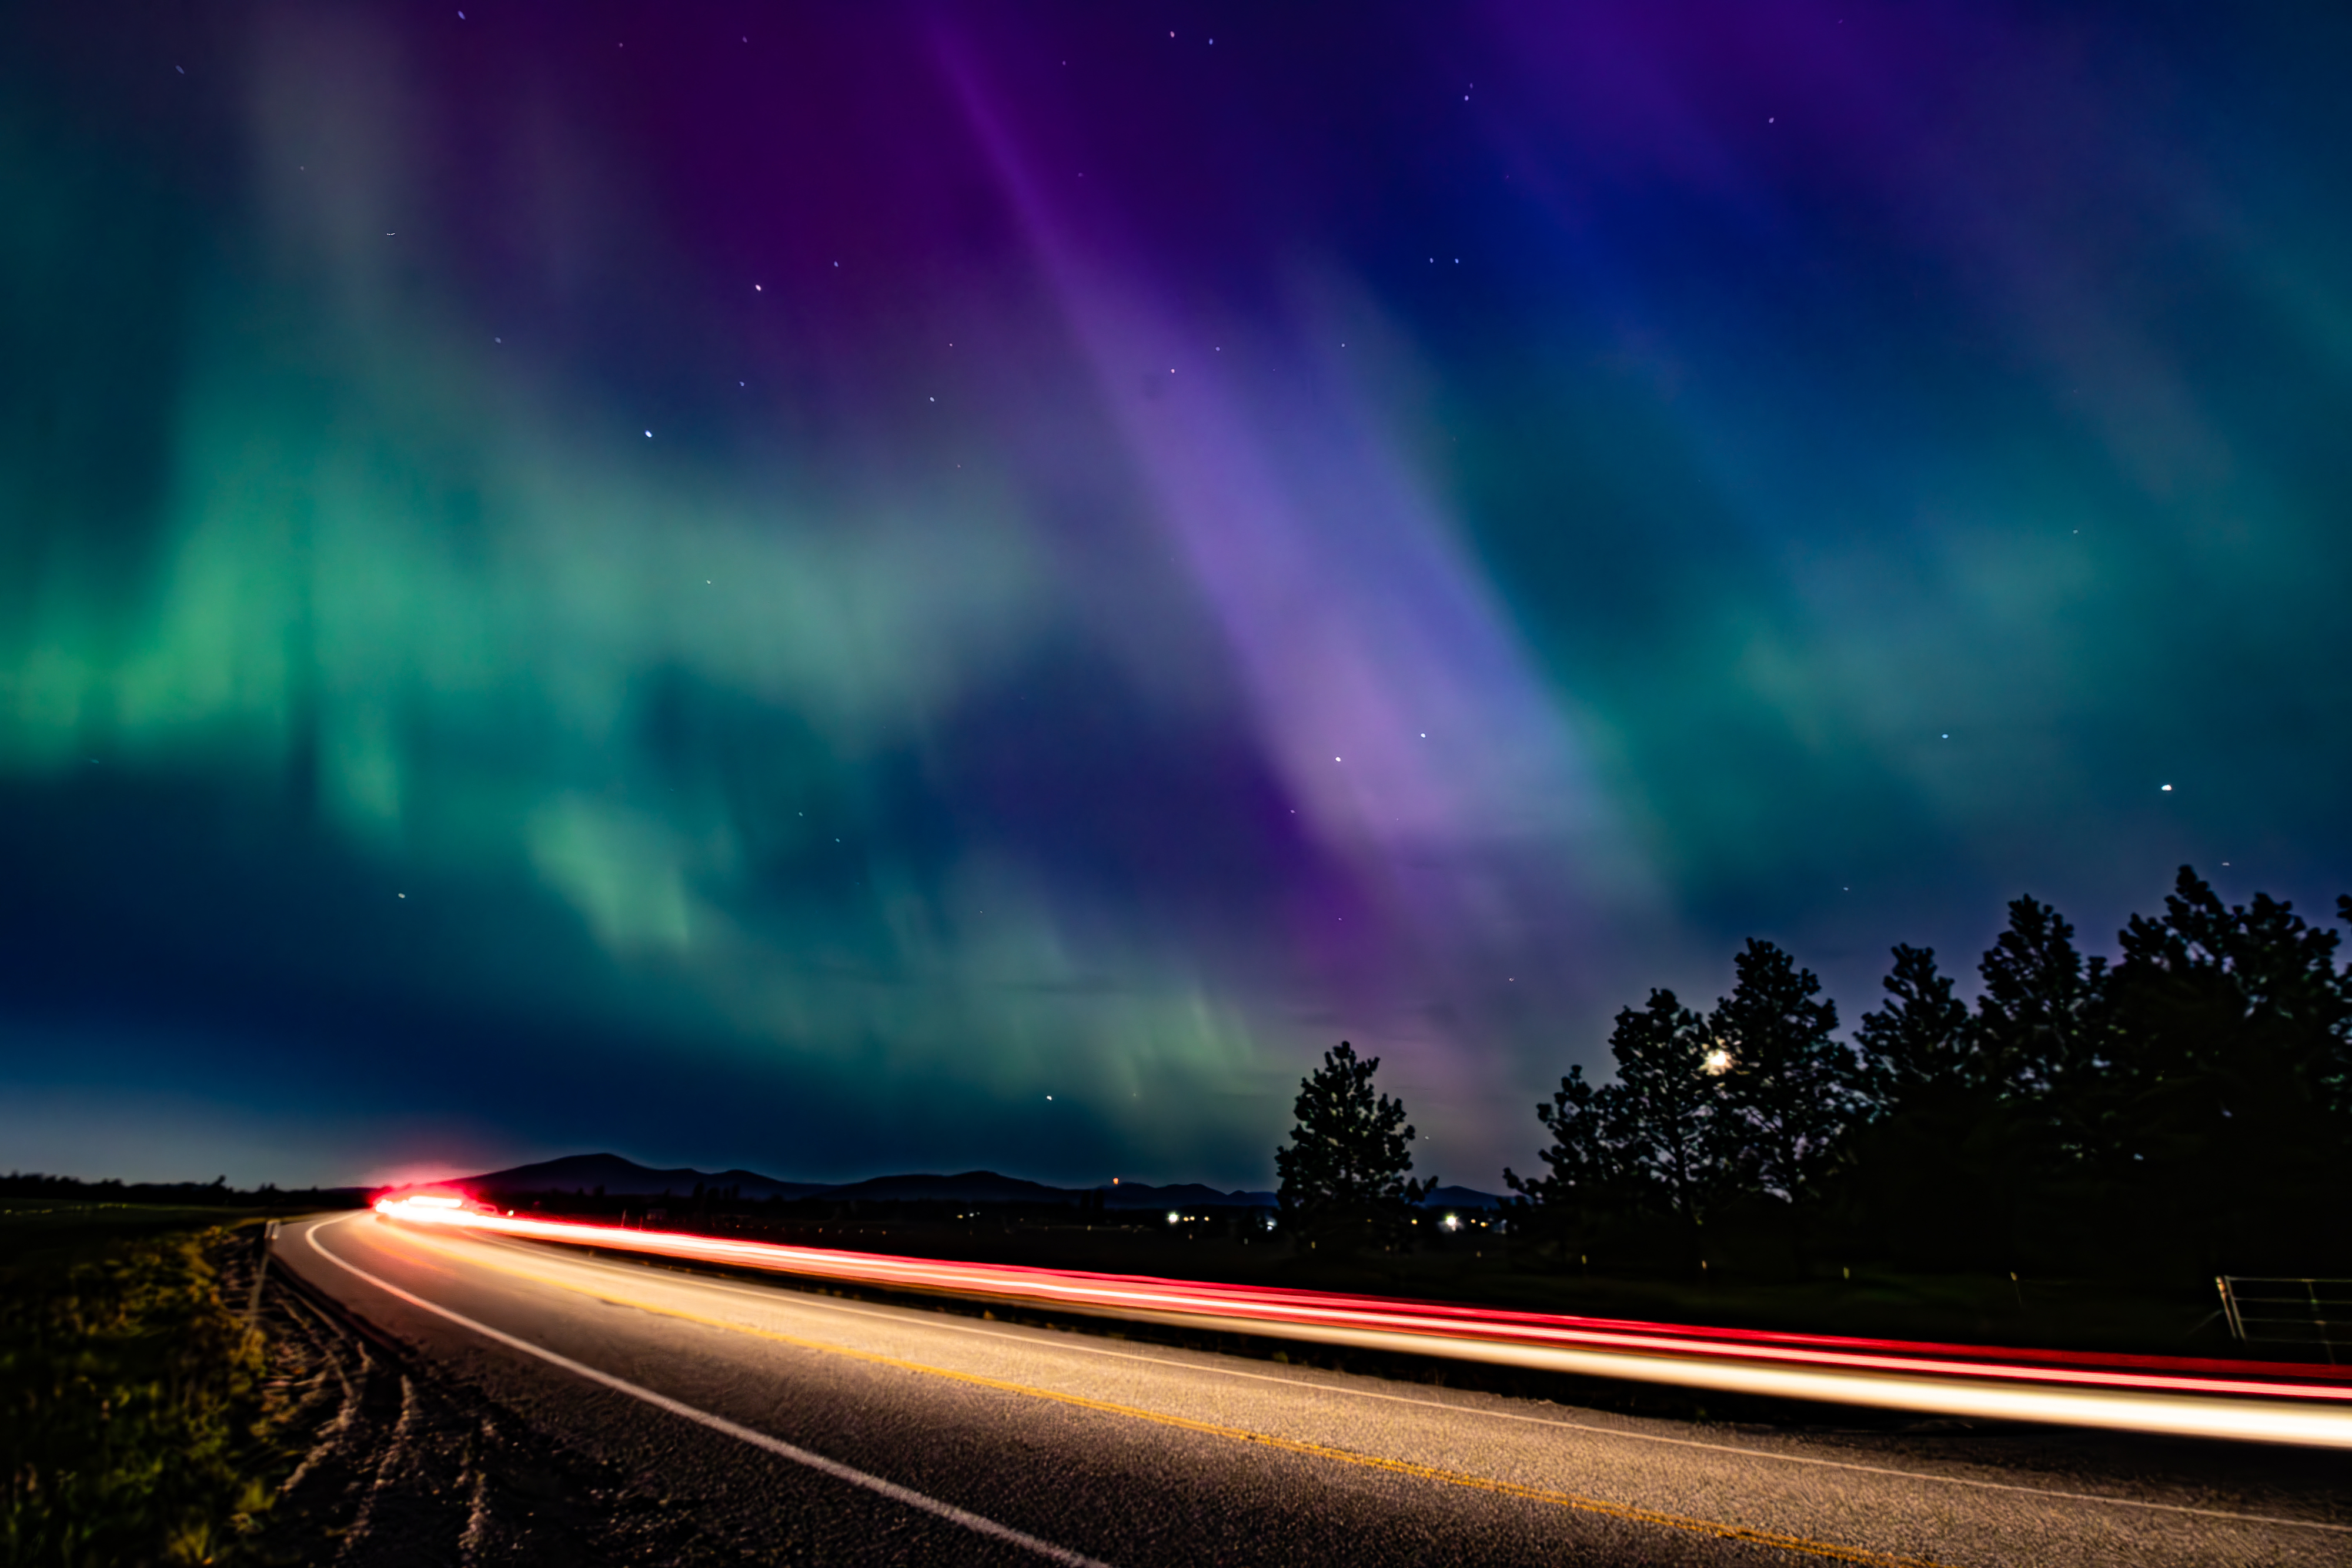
<point>773,591</point>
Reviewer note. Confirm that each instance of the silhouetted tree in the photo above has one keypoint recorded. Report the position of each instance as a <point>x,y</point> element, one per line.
<point>1345,1172</point>
<point>1787,1084</point>
<point>2195,1097</point>
<point>2222,1105</point>
<point>2038,1021</point>
<point>1670,1140</point>
<point>2040,1031</point>
<point>1935,1177</point>
<point>1918,1046</point>
<point>1585,1159</point>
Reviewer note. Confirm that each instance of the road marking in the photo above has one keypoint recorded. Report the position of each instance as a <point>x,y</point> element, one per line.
<point>1802,1545</point>
<point>800,1298</point>
<point>833,1467</point>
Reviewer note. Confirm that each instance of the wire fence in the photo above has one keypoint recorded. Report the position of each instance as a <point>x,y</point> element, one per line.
<point>2315,1313</point>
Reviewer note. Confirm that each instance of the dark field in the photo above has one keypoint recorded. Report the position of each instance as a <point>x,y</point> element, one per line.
<point>145,1423</point>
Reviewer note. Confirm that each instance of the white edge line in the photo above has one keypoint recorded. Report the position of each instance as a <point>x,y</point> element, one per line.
<point>862,1309</point>
<point>974,1522</point>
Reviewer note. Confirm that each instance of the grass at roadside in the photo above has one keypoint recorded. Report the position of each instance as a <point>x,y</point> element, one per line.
<point>45,1233</point>
<point>129,1391</point>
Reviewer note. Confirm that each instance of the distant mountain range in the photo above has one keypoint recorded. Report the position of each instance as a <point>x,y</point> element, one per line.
<point>622,1177</point>
<point>627,1178</point>
<point>1462,1197</point>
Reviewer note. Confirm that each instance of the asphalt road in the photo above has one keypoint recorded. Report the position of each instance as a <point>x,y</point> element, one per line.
<point>801,1427</point>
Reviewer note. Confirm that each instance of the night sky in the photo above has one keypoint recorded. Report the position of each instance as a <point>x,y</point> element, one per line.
<point>777,586</point>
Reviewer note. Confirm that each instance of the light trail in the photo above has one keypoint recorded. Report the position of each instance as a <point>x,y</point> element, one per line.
<point>2234,1400</point>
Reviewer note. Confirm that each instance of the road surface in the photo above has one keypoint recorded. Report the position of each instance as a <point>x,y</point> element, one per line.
<point>803,1427</point>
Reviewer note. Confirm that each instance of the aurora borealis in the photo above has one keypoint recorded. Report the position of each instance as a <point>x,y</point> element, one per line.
<point>774,586</point>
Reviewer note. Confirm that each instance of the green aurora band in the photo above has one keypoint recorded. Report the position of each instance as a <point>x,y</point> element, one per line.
<point>779,594</point>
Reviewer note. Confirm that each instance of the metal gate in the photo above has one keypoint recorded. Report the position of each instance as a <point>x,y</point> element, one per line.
<point>2315,1313</point>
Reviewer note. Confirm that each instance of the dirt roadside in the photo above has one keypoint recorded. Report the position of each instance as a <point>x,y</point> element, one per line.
<point>395,1464</point>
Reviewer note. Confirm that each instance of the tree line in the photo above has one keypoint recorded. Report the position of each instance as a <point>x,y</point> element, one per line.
<point>2187,1106</point>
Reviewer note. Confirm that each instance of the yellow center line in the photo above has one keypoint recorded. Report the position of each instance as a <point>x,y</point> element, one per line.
<point>1831,1550</point>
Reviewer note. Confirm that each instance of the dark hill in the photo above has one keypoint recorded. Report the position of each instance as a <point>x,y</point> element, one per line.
<point>622,1177</point>
<point>627,1178</point>
<point>972,1187</point>
<point>1181,1195</point>
<point>1461,1198</point>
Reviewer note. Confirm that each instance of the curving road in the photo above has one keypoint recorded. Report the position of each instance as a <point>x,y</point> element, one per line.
<point>806,1429</point>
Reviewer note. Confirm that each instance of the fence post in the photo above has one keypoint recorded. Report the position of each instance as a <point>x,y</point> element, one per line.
<point>260,1269</point>
<point>2230,1308</point>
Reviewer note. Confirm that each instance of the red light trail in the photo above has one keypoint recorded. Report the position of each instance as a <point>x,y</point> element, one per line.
<point>2240,1400</point>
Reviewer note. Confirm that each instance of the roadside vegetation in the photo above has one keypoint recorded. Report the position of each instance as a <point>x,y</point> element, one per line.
<point>2073,1159</point>
<point>130,1392</point>
<point>2183,1111</point>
